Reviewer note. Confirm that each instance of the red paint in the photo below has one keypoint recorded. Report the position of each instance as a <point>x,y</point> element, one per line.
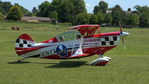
<point>107,34</point>
<point>101,63</point>
<point>52,40</point>
<point>97,50</point>
<point>88,29</point>
<point>13,28</point>
<point>21,51</point>
<point>25,37</point>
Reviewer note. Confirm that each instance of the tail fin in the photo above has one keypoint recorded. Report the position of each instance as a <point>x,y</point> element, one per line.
<point>23,42</point>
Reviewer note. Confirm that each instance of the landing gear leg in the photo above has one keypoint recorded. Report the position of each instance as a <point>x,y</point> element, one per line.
<point>19,61</point>
<point>101,55</point>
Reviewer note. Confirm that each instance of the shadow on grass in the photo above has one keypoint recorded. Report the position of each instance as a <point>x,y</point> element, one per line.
<point>67,64</point>
<point>16,62</point>
<point>43,63</point>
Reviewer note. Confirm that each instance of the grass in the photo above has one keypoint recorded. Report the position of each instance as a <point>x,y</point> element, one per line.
<point>128,66</point>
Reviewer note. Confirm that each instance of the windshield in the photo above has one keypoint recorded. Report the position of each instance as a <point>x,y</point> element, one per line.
<point>67,36</point>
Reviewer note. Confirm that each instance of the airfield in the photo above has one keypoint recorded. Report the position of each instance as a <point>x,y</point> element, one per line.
<point>127,66</point>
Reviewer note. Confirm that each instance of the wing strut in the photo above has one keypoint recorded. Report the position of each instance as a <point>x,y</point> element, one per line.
<point>79,51</point>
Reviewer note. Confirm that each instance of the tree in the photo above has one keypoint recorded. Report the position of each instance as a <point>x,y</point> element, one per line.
<point>15,13</point>
<point>34,10</point>
<point>82,18</point>
<point>93,19</point>
<point>1,16</point>
<point>102,6</point>
<point>117,13</point>
<point>129,9</point>
<point>143,13</point>
<point>145,19</point>
<point>68,9</point>
<point>44,9</point>
<point>4,7</point>
<point>108,19</point>
<point>65,11</point>
<point>54,15</point>
<point>133,20</point>
<point>100,17</point>
<point>79,6</point>
<point>24,10</point>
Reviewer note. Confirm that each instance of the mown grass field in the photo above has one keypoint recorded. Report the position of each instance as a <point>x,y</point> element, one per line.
<point>128,66</point>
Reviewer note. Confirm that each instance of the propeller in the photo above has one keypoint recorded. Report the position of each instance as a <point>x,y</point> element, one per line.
<point>121,32</point>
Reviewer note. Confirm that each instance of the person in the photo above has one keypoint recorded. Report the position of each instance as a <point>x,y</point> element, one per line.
<point>61,39</point>
<point>78,36</point>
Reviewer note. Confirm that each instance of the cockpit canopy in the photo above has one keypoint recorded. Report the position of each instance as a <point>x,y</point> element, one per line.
<point>68,36</point>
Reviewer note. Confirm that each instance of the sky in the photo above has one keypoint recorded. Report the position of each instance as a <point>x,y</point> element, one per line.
<point>125,4</point>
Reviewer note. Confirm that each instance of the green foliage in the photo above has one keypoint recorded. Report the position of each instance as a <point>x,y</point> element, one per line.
<point>145,16</point>
<point>4,7</point>
<point>82,18</point>
<point>15,13</point>
<point>93,19</point>
<point>1,16</point>
<point>34,11</point>
<point>53,15</point>
<point>117,14</point>
<point>108,19</point>
<point>133,20</point>
<point>68,9</point>
<point>44,9</point>
<point>143,13</point>
<point>100,17</point>
<point>124,18</point>
<point>79,6</point>
<point>138,9</point>
<point>24,10</point>
<point>145,19</point>
<point>102,6</point>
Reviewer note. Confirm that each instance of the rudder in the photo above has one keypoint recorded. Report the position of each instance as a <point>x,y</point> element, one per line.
<point>23,42</point>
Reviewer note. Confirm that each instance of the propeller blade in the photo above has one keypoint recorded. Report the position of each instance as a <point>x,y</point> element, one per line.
<point>123,42</point>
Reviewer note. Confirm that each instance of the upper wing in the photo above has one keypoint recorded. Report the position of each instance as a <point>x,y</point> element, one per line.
<point>87,30</point>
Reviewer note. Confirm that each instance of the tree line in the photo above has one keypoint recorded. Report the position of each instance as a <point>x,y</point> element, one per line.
<point>74,11</point>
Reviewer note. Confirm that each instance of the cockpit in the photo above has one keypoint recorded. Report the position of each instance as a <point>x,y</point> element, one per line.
<point>68,36</point>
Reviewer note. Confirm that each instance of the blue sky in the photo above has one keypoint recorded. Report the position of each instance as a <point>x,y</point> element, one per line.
<point>125,4</point>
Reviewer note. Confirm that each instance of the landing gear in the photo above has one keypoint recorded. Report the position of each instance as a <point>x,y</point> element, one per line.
<point>101,61</point>
<point>100,56</point>
<point>19,61</point>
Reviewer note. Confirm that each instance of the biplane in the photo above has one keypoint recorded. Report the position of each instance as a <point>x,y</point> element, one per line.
<point>86,41</point>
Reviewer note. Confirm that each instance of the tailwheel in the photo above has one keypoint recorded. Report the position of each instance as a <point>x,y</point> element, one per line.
<point>101,61</point>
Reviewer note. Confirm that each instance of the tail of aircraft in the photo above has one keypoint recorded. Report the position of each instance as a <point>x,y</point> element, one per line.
<point>23,44</point>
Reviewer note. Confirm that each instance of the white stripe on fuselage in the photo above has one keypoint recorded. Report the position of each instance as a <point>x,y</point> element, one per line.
<point>50,48</point>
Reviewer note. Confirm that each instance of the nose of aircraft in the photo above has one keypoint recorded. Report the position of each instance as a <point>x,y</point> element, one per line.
<point>124,34</point>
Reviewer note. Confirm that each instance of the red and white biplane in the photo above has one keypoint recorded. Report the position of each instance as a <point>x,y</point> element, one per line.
<point>71,44</point>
